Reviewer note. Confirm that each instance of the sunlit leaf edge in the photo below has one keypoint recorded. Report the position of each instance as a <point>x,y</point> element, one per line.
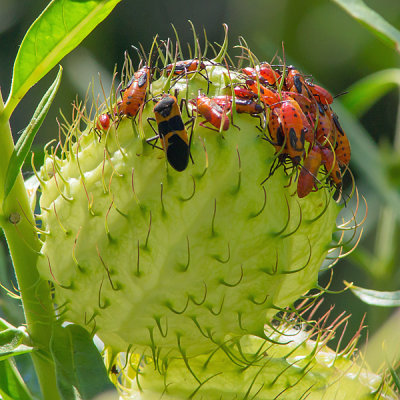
<point>376,297</point>
<point>367,91</point>
<point>373,21</point>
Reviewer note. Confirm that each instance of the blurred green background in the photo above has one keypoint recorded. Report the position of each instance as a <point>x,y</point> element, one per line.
<point>319,39</point>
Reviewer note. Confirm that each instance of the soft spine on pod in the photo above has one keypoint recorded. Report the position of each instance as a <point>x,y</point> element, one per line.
<point>176,264</point>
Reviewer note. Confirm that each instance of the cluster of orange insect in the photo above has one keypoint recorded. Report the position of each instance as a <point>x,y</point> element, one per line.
<point>291,108</point>
<point>299,111</point>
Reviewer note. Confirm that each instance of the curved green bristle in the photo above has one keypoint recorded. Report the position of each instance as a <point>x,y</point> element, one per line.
<point>178,42</point>
<point>224,48</point>
<point>195,41</point>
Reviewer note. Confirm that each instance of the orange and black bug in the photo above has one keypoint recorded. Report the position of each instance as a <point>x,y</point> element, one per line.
<point>224,101</point>
<point>276,134</point>
<point>248,106</point>
<point>252,73</point>
<point>295,82</point>
<point>309,171</point>
<point>212,112</point>
<point>103,121</point>
<point>342,148</point>
<point>293,128</point>
<point>269,97</point>
<point>306,105</point>
<point>242,105</point>
<point>325,130</point>
<point>295,101</point>
<point>321,94</point>
<point>266,71</point>
<point>278,140</point>
<point>244,92</point>
<point>186,66</point>
<point>263,72</point>
<point>332,167</point>
<point>134,94</point>
<point>172,132</point>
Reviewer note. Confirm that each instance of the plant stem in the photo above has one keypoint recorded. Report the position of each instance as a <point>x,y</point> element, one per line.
<point>18,223</point>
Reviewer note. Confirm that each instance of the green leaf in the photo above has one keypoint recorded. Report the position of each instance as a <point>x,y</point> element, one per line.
<point>24,143</point>
<point>373,21</point>
<point>11,341</point>
<point>81,373</point>
<point>56,32</point>
<point>377,298</point>
<point>366,157</point>
<point>364,93</point>
<point>12,387</point>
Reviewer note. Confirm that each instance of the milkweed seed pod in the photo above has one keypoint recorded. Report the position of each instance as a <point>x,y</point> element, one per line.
<point>166,260</point>
<point>294,363</point>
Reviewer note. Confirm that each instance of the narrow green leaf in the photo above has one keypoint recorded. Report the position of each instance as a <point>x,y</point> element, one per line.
<point>24,143</point>
<point>12,387</point>
<point>373,21</point>
<point>56,32</point>
<point>11,341</point>
<point>81,373</point>
<point>376,297</point>
<point>364,93</point>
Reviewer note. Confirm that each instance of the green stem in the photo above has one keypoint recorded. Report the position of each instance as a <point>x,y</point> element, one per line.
<point>17,221</point>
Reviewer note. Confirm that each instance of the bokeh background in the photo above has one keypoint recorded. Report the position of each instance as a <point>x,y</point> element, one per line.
<point>319,39</point>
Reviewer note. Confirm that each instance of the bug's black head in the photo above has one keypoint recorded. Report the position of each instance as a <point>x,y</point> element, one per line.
<point>164,106</point>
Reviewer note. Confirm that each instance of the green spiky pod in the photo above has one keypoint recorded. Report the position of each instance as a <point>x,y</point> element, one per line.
<point>169,262</point>
<point>288,365</point>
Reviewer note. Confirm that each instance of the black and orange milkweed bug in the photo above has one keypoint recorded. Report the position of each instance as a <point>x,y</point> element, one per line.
<point>325,129</point>
<point>330,162</point>
<point>269,97</point>
<point>244,92</point>
<point>185,66</point>
<point>103,122</point>
<point>293,99</point>
<point>276,133</point>
<point>263,72</point>
<point>295,82</point>
<point>306,105</point>
<point>309,171</point>
<point>266,71</point>
<point>172,132</point>
<point>242,105</point>
<point>248,106</point>
<point>320,93</point>
<point>293,128</point>
<point>224,101</point>
<point>278,139</point>
<point>212,112</point>
<point>342,148</point>
<point>134,94</point>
